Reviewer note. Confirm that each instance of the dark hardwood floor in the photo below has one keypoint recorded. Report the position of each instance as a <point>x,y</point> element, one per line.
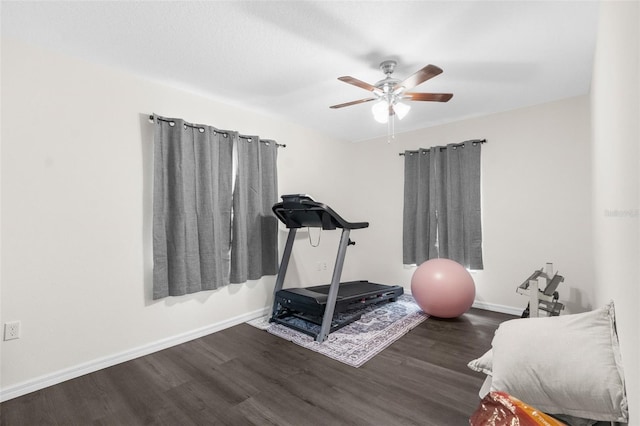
<point>245,376</point>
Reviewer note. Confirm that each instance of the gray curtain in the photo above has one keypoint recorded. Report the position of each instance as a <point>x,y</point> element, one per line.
<point>419,224</point>
<point>442,211</point>
<point>254,247</point>
<point>191,207</point>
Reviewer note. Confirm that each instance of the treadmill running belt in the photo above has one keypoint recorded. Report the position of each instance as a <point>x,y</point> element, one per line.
<point>351,289</point>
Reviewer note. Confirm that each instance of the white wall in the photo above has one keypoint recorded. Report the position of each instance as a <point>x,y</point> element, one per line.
<point>76,219</point>
<point>536,196</point>
<point>616,180</point>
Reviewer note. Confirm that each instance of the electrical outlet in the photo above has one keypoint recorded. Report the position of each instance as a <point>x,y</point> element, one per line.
<point>12,330</point>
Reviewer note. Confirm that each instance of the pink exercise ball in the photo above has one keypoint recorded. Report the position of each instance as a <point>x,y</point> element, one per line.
<point>443,288</point>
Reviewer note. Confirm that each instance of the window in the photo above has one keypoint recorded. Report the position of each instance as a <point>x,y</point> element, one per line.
<point>442,214</point>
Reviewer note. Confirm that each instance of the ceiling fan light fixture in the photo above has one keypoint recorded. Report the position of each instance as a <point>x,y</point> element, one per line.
<point>401,109</point>
<point>380,111</point>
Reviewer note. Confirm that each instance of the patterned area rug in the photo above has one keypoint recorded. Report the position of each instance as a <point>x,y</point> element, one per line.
<point>361,340</point>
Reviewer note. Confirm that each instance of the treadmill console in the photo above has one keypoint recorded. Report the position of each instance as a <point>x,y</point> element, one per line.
<point>301,211</point>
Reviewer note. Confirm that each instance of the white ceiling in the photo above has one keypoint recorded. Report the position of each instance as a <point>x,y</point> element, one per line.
<point>284,57</point>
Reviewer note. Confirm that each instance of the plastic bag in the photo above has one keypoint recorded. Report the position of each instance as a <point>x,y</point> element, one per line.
<point>502,409</point>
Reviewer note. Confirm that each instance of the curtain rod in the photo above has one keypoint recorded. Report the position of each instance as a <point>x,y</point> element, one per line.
<point>444,147</point>
<point>194,126</point>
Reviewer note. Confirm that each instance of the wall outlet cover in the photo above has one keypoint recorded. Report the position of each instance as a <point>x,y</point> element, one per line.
<point>12,330</point>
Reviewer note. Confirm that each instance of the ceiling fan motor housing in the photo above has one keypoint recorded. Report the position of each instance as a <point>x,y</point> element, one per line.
<point>388,66</point>
<point>388,83</point>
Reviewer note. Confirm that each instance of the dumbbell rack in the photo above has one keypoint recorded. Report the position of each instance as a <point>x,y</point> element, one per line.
<point>541,288</point>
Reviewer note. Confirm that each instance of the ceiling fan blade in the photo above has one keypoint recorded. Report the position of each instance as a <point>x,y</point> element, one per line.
<point>420,76</point>
<point>359,101</point>
<point>434,97</point>
<point>359,83</point>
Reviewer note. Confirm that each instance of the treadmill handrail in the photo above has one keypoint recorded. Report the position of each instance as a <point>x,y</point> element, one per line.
<point>301,211</point>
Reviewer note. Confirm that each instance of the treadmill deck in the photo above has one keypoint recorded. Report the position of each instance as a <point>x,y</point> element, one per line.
<point>309,303</point>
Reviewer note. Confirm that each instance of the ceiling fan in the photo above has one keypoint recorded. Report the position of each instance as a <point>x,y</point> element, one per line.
<point>389,92</point>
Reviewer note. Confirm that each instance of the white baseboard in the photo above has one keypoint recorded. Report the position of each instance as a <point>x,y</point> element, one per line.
<point>498,308</point>
<point>60,376</point>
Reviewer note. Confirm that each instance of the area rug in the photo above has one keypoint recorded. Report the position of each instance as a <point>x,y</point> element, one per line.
<point>361,340</point>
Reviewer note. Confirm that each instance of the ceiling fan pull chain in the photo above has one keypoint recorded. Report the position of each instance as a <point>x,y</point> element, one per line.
<point>391,128</point>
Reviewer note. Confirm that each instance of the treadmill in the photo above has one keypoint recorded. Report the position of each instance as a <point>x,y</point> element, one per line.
<point>326,308</point>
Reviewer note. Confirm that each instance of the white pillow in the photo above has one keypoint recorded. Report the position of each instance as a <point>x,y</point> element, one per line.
<point>485,388</point>
<point>484,364</point>
<point>567,364</point>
